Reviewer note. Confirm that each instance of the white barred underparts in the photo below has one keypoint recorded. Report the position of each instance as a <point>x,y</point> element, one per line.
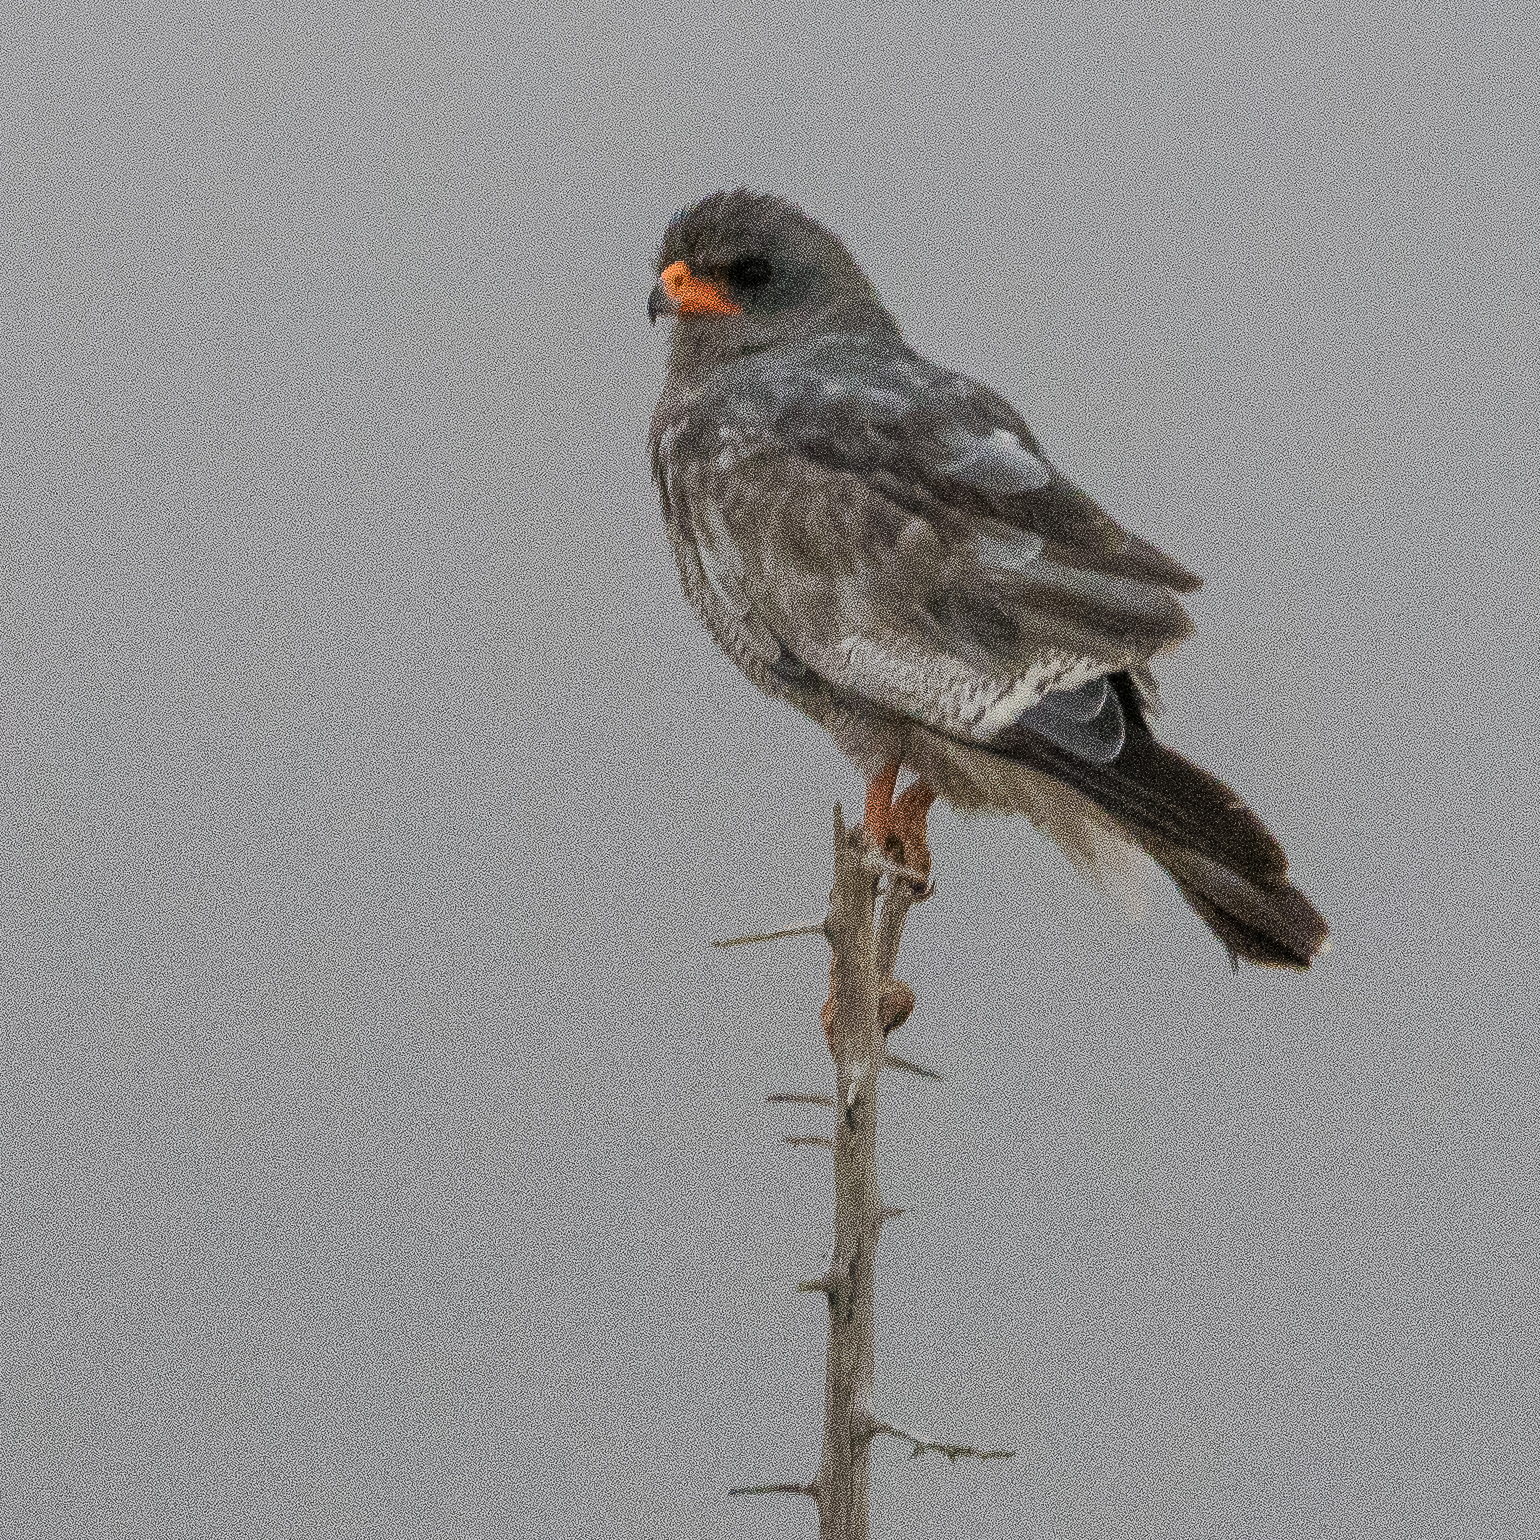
<point>899,674</point>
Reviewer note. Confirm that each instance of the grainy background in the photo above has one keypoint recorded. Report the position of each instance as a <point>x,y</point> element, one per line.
<point>383,1151</point>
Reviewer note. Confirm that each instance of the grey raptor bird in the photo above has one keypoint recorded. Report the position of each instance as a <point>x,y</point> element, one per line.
<point>883,544</point>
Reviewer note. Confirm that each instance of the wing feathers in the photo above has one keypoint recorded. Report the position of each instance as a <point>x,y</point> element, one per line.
<point>898,530</point>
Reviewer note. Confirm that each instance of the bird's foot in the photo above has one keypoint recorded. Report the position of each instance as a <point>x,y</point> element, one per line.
<point>910,813</point>
<point>877,822</point>
<point>895,829</point>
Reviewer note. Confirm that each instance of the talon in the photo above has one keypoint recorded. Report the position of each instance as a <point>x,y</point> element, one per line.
<point>897,828</point>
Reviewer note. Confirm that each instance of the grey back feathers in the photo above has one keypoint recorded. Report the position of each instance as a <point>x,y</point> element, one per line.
<point>889,523</point>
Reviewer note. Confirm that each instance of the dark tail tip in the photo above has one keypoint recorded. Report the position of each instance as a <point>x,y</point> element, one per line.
<point>1274,925</point>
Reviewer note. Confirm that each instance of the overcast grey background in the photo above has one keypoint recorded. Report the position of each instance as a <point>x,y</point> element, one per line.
<point>384,1153</point>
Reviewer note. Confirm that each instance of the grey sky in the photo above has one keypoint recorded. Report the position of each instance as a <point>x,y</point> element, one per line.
<point>382,1151</point>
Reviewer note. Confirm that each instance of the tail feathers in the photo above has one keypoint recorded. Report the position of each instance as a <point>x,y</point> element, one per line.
<point>1167,801</point>
<point>1276,925</point>
<point>1220,854</point>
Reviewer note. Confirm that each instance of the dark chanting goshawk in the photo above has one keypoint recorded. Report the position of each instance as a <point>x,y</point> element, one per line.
<point>882,543</point>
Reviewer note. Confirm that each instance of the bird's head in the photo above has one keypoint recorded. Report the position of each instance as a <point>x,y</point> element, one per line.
<point>743,270</point>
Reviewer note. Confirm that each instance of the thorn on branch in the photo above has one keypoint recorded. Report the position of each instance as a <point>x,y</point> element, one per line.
<point>825,1285</point>
<point>893,1061</point>
<point>953,1452</point>
<point>797,1488</point>
<point>802,1098</point>
<point>809,929</point>
<point>887,1212</point>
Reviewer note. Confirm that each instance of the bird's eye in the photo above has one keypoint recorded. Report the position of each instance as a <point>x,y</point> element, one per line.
<point>749,273</point>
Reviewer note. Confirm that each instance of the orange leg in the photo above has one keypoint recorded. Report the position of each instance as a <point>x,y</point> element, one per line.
<point>899,824</point>
<point>878,821</point>
<point>907,825</point>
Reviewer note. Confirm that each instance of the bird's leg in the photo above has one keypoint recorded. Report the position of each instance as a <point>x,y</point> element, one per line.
<point>877,823</point>
<point>898,827</point>
<point>892,828</point>
<point>906,825</point>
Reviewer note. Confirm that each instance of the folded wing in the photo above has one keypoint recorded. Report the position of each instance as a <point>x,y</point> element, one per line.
<point>898,531</point>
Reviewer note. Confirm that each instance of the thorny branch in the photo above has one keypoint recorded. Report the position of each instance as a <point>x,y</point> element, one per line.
<point>866,1002</point>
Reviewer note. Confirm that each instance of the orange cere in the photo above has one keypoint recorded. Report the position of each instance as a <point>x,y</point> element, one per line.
<point>695,296</point>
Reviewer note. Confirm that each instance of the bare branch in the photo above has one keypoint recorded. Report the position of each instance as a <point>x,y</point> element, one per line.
<point>890,928</point>
<point>865,1003</point>
<point>854,1035</point>
<point>810,929</point>
<point>921,1445</point>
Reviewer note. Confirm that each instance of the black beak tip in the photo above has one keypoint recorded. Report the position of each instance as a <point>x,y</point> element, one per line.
<point>660,302</point>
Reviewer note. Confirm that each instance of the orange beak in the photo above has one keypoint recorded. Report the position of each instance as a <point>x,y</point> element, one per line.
<point>679,292</point>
